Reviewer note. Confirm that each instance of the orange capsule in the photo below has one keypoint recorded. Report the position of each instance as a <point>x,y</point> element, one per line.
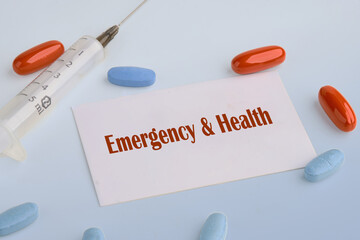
<point>258,59</point>
<point>337,108</point>
<point>38,57</point>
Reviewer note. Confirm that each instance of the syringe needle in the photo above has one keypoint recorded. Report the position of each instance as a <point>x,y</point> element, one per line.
<point>110,33</point>
<point>126,18</point>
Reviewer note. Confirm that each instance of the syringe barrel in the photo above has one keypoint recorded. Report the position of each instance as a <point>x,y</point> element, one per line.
<point>38,98</point>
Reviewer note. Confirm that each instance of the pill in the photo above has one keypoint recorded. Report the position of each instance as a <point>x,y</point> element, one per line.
<point>131,76</point>
<point>258,59</point>
<point>93,234</point>
<point>17,218</point>
<point>337,108</point>
<point>214,228</point>
<point>324,165</point>
<point>38,57</point>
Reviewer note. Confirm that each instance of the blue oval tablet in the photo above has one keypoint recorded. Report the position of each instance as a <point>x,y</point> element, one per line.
<point>131,76</point>
<point>17,218</point>
<point>93,234</point>
<point>215,227</point>
<point>324,165</point>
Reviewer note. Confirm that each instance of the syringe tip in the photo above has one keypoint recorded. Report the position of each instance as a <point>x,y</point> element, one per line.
<point>108,35</point>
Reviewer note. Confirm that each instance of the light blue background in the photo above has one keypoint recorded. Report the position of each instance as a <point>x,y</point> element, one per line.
<point>187,41</point>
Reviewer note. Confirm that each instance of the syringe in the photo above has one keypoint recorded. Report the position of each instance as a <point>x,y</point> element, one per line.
<point>38,98</point>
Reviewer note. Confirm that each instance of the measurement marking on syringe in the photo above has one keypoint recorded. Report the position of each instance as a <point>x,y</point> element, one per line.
<point>61,60</point>
<point>36,82</point>
<point>81,53</point>
<point>48,71</point>
<point>23,94</point>
<point>73,49</point>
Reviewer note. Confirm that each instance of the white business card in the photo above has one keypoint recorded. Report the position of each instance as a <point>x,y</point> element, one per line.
<point>191,136</point>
